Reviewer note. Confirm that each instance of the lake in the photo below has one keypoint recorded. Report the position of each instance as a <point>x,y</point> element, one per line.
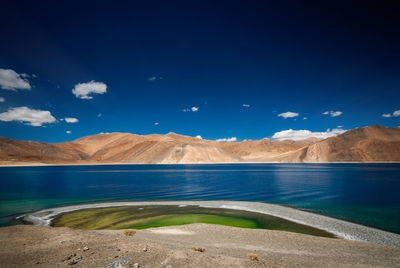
<point>364,193</point>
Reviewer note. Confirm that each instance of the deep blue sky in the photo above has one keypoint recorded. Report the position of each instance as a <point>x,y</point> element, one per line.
<point>306,57</point>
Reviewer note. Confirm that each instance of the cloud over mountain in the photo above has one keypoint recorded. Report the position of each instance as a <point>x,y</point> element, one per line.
<point>227,139</point>
<point>394,114</point>
<point>296,135</point>
<point>29,116</point>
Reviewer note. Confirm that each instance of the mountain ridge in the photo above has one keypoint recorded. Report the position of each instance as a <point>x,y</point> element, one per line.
<point>366,144</point>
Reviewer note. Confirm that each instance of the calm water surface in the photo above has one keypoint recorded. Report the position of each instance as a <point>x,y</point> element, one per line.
<point>363,193</point>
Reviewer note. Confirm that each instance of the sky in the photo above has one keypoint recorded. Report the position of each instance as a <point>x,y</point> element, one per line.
<point>228,70</point>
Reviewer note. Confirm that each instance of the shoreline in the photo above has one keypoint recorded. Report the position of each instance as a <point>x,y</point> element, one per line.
<point>194,163</point>
<point>340,228</point>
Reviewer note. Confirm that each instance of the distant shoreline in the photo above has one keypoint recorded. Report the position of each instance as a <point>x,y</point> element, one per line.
<point>194,163</point>
<point>341,228</point>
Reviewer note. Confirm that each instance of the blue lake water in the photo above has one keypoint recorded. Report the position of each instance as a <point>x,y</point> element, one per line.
<point>363,193</point>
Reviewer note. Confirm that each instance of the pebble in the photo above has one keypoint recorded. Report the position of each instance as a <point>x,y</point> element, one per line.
<point>75,261</point>
<point>85,249</point>
<point>136,265</point>
<point>145,249</point>
<point>119,263</point>
<point>69,257</point>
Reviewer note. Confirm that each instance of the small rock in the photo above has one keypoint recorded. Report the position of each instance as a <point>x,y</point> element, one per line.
<point>116,256</point>
<point>75,261</point>
<point>145,249</point>
<point>130,232</point>
<point>199,249</point>
<point>252,256</point>
<point>69,257</point>
<point>119,263</point>
<point>85,249</point>
<point>118,249</point>
<point>136,265</point>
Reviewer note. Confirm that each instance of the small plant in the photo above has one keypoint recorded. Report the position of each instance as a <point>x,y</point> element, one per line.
<point>252,256</point>
<point>199,249</point>
<point>129,232</point>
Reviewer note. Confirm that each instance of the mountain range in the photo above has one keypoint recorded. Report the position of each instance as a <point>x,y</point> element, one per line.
<point>366,144</point>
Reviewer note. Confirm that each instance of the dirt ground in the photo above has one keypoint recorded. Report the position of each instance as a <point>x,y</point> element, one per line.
<point>34,246</point>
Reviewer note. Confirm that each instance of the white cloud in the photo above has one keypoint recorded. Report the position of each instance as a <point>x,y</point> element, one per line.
<point>227,139</point>
<point>394,114</point>
<point>11,80</point>
<point>193,109</point>
<point>71,120</point>
<point>68,132</point>
<point>305,118</point>
<point>83,90</point>
<point>199,137</point>
<point>99,115</point>
<point>2,99</point>
<point>246,105</point>
<point>296,135</point>
<point>288,115</point>
<point>332,113</point>
<point>32,117</point>
<point>156,123</point>
<point>154,78</point>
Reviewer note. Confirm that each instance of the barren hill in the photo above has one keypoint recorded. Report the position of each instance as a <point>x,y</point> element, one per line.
<point>368,144</point>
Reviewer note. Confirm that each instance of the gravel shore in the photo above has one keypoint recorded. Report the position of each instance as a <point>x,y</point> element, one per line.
<point>216,246</point>
<point>340,228</point>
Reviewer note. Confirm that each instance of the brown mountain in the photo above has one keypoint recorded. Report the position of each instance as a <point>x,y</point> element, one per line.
<point>368,144</point>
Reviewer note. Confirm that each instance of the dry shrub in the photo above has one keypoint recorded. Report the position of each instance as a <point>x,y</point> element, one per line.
<point>199,249</point>
<point>129,232</point>
<point>252,256</point>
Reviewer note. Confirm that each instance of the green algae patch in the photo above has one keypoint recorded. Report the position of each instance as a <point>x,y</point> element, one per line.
<point>134,217</point>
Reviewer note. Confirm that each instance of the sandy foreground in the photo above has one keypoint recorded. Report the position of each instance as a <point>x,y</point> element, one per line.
<point>43,246</point>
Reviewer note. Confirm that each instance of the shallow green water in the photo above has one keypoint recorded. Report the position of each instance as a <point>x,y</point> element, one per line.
<point>130,217</point>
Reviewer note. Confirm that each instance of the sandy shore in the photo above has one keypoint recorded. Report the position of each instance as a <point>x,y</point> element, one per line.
<point>43,246</point>
<point>36,164</point>
<point>340,228</point>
